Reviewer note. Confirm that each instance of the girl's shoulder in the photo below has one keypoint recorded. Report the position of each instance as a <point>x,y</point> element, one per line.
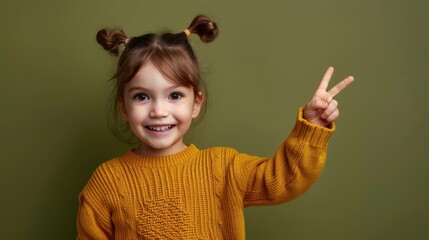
<point>226,155</point>
<point>219,151</point>
<point>105,169</point>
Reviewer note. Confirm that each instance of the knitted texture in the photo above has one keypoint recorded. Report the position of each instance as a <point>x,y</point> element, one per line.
<point>197,194</point>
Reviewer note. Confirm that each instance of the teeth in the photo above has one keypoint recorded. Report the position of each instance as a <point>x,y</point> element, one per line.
<point>160,128</point>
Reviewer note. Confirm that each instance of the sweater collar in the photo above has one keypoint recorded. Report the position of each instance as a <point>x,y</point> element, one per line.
<point>160,161</point>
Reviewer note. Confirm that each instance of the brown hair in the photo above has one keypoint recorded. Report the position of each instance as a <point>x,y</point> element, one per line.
<point>170,53</point>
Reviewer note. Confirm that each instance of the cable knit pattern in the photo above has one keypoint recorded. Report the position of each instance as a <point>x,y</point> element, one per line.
<point>197,194</point>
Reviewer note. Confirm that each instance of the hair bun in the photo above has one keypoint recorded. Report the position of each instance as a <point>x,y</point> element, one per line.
<point>204,27</point>
<point>111,39</point>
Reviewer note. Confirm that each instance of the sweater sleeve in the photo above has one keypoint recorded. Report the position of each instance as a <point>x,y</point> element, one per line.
<point>94,215</point>
<point>296,165</point>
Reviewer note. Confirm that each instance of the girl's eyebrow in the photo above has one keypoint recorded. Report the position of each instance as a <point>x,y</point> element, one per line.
<point>137,88</point>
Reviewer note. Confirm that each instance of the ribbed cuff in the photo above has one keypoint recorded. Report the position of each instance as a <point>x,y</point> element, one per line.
<point>313,134</point>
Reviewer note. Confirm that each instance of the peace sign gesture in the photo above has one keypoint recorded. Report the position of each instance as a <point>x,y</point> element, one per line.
<point>322,109</point>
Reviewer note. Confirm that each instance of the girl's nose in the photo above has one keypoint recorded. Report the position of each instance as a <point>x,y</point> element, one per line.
<point>159,110</point>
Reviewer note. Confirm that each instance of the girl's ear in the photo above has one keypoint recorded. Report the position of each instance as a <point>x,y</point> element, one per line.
<point>123,110</point>
<point>198,103</point>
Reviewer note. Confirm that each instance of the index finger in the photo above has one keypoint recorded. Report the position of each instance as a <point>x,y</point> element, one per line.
<point>340,86</point>
<point>325,80</point>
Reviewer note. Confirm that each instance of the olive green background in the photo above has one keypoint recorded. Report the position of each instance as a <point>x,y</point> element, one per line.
<point>267,61</point>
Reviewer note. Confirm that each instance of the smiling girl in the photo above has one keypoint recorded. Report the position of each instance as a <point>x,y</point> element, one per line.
<point>166,189</point>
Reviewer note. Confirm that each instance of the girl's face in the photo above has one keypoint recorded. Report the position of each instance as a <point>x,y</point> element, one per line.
<point>159,111</point>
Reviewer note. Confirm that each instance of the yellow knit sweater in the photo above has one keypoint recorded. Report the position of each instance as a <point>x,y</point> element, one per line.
<point>196,194</point>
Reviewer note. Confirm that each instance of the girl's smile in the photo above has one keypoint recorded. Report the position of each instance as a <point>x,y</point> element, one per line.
<point>160,128</point>
<point>159,111</point>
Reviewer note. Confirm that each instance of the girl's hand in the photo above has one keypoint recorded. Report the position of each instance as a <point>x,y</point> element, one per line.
<point>322,108</point>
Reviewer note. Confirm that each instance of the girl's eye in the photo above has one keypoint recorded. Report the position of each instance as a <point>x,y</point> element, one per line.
<point>176,95</point>
<point>141,97</point>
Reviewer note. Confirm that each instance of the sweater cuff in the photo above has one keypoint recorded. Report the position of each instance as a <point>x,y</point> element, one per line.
<point>313,134</point>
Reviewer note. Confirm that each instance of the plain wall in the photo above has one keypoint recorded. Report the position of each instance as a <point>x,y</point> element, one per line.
<point>266,63</point>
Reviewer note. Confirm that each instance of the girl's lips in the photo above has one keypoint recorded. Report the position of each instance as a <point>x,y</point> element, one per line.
<point>163,128</point>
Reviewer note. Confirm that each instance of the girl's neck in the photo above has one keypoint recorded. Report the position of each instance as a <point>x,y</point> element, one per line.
<point>148,151</point>
<point>161,161</point>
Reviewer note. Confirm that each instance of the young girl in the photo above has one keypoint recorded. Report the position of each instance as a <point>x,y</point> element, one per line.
<point>164,189</point>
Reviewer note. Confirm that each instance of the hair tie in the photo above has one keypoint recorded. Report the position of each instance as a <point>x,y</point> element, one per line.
<point>127,40</point>
<point>187,32</point>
